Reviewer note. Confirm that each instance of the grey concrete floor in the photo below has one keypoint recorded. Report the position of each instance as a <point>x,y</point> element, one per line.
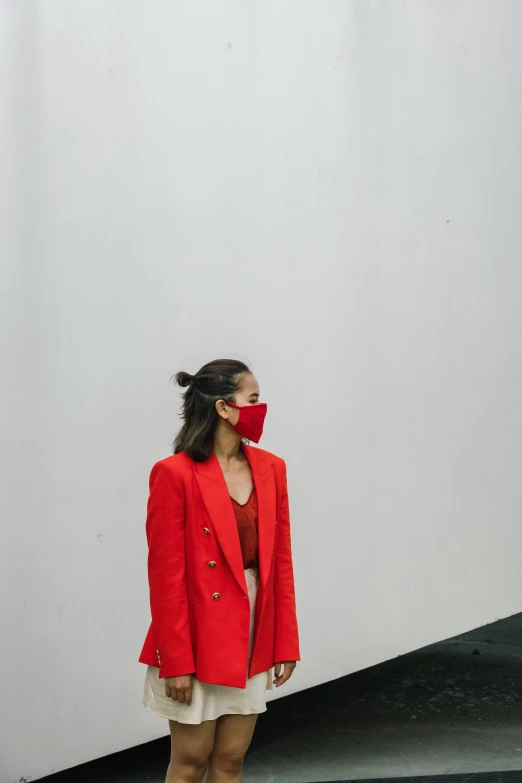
<point>453,707</point>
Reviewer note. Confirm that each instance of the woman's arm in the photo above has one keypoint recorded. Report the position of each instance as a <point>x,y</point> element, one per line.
<point>286,647</point>
<point>165,528</point>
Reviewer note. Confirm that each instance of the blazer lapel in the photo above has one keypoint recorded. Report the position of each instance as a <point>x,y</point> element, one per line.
<point>217,500</point>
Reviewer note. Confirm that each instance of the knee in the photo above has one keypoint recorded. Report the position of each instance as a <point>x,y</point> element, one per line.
<point>189,766</point>
<point>228,761</point>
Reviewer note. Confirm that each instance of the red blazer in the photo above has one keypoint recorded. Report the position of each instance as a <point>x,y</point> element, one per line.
<point>198,595</point>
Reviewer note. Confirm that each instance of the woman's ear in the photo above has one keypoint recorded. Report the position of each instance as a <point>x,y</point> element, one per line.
<point>221,408</point>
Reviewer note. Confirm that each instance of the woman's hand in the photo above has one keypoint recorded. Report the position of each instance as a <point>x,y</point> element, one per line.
<point>179,688</point>
<point>281,678</point>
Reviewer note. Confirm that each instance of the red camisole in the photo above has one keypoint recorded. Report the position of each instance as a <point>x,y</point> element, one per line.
<point>246,517</point>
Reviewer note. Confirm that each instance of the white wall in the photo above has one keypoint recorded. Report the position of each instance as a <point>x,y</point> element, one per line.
<point>330,190</point>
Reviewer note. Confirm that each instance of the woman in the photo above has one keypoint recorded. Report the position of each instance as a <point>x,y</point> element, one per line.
<point>220,577</point>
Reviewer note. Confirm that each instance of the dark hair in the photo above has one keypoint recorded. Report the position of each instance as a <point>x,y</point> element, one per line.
<point>217,380</point>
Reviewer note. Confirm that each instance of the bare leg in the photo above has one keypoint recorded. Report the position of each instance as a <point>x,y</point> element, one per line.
<point>231,741</point>
<point>190,748</point>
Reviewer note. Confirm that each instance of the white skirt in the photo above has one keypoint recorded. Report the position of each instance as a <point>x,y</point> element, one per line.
<point>210,701</point>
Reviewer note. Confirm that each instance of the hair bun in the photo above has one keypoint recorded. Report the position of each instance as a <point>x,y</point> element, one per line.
<point>184,378</point>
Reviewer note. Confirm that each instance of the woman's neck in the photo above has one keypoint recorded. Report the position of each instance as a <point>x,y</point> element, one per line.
<point>227,448</point>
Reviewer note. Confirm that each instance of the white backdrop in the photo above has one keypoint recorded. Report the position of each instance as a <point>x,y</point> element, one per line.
<point>328,190</point>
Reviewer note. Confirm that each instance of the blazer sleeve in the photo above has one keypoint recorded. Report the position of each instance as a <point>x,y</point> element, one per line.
<point>286,643</point>
<point>165,529</point>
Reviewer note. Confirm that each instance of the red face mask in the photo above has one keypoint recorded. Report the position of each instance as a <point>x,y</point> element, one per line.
<point>251,420</point>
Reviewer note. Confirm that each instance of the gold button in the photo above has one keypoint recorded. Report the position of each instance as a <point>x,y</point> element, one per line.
<point>206,531</point>
<point>216,596</point>
<point>212,564</point>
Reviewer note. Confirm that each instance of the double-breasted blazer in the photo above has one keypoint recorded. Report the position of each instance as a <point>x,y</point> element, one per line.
<point>199,601</point>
